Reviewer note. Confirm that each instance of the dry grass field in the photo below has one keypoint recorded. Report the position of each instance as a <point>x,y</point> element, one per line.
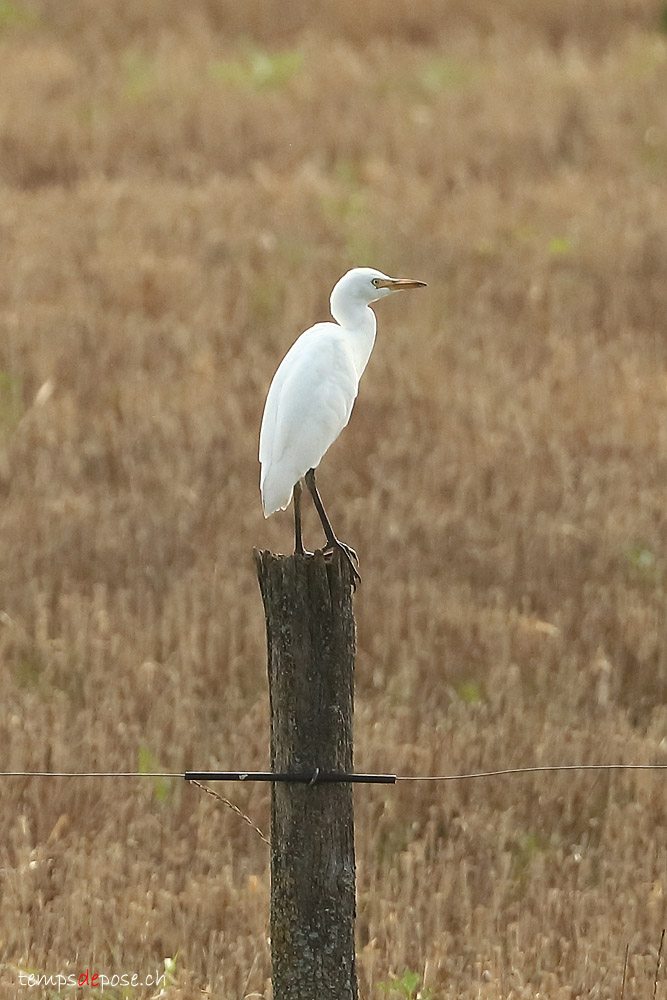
<point>180,186</point>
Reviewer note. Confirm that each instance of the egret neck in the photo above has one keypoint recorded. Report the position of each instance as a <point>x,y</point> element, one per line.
<point>358,322</point>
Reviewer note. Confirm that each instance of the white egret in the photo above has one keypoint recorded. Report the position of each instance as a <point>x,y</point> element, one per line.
<point>311,396</point>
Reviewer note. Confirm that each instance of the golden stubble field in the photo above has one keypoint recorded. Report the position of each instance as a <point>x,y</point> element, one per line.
<point>180,186</point>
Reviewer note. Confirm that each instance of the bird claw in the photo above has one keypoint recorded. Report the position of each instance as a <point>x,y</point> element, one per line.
<point>349,554</point>
<point>303,552</point>
<point>347,549</point>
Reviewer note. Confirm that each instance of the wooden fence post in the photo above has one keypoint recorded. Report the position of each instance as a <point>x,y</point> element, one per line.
<point>310,632</point>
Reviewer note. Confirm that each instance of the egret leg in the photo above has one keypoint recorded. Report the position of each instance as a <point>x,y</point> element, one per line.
<point>298,537</point>
<point>332,541</point>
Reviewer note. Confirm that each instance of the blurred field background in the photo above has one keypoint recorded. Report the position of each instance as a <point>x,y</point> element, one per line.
<point>180,186</point>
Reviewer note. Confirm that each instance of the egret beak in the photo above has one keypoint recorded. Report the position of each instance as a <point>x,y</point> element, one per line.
<point>399,284</point>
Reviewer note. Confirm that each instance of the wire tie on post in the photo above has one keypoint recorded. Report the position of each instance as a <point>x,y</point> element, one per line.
<point>318,777</point>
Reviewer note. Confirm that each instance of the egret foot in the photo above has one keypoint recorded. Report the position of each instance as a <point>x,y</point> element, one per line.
<point>337,544</point>
<point>300,551</point>
<point>350,555</point>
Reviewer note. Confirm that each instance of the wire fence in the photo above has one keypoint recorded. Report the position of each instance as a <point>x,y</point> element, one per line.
<point>318,776</point>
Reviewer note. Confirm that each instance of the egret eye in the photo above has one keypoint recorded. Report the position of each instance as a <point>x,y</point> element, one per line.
<point>375,281</point>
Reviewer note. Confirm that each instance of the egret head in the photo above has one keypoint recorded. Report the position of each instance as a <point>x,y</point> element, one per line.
<point>366,285</point>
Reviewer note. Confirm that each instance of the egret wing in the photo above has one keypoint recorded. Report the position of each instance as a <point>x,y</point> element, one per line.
<point>308,404</point>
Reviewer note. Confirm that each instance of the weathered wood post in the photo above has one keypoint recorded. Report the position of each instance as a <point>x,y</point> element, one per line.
<point>310,633</point>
